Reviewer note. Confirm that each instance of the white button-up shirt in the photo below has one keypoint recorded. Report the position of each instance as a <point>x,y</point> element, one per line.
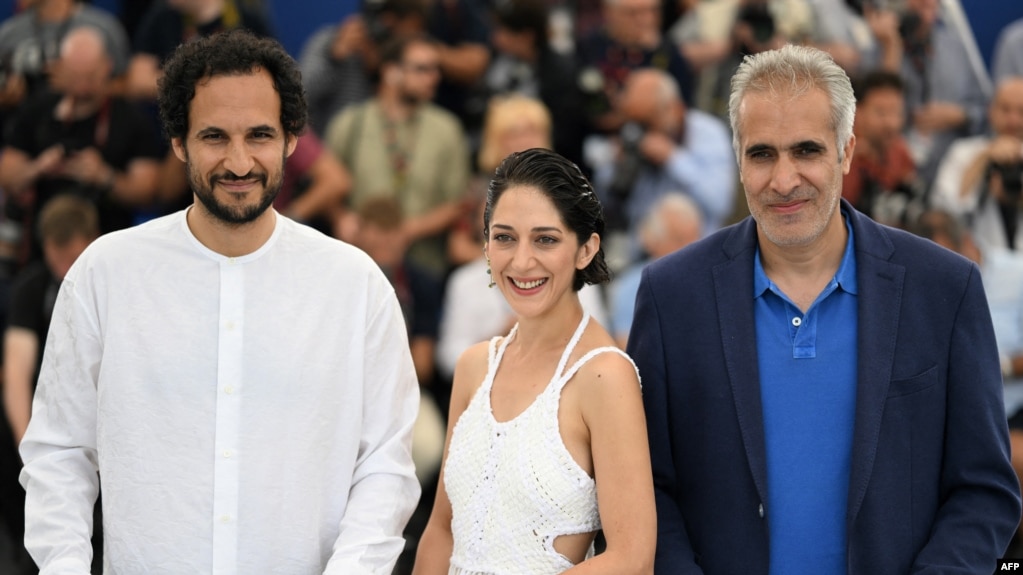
<point>247,415</point>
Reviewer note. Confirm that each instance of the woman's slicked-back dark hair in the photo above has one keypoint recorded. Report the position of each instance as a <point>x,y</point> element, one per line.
<point>232,53</point>
<point>570,192</point>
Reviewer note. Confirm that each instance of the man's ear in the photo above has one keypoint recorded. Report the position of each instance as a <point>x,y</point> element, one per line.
<point>587,251</point>
<point>179,149</point>
<point>850,148</point>
<point>290,143</point>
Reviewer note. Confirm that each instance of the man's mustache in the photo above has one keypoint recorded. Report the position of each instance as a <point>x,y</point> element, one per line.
<point>229,177</point>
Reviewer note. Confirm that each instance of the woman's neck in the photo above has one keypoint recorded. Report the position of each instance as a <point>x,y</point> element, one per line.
<point>554,329</point>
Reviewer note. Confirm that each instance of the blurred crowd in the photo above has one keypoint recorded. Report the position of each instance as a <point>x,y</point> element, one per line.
<point>412,105</point>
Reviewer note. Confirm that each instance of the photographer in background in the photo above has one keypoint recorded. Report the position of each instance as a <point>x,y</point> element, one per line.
<point>81,140</point>
<point>167,24</point>
<point>944,95</point>
<point>630,39</point>
<point>979,177</point>
<point>664,146</point>
<point>881,181</point>
<point>341,62</point>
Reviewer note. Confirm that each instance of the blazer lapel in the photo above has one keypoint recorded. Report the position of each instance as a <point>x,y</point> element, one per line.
<point>880,285</point>
<point>733,286</point>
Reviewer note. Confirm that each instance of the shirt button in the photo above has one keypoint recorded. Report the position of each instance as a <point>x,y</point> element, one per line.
<point>229,389</point>
<point>760,510</point>
<point>228,453</point>
<point>225,518</point>
<point>229,325</point>
<point>797,321</point>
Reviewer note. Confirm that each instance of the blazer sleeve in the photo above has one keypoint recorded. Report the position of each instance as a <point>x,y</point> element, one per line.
<point>980,494</point>
<point>646,347</point>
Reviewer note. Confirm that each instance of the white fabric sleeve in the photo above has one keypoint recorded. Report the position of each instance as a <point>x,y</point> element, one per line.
<point>460,318</point>
<point>59,448</point>
<point>946,193</point>
<point>384,489</point>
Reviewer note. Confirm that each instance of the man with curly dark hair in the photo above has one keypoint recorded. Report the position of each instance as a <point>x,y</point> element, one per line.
<point>242,383</point>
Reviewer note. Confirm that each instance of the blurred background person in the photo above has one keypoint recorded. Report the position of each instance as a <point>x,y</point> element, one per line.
<point>67,225</point>
<point>524,62</point>
<point>714,34</point>
<point>694,30</point>
<point>169,23</point>
<point>674,222</point>
<point>81,138</point>
<point>1008,56</point>
<point>664,147</point>
<point>341,62</point>
<point>750,27</point>
<point>881,181</point>
<point>980,177</point>
<point>315,185</point>
<point>630,38</point>
<point>379,232</point>
<point>945,92</point>
<point>401,145</point>
<point>514,123</point>
<point>462,31</point>
<point>30,45</point>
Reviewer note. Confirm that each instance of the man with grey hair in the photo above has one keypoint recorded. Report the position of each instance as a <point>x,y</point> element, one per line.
<point>665,147</point>
<point>833,403</point>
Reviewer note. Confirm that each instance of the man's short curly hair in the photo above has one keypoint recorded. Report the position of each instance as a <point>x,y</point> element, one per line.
<point>235,52</point>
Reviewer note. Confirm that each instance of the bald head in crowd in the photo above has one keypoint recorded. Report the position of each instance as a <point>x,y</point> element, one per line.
<point>84,68</point>
<point>1006,110</point>
<point>652,98</point>
<point>672,224</point>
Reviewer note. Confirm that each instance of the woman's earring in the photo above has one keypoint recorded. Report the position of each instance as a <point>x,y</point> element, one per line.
<point>489,273</point>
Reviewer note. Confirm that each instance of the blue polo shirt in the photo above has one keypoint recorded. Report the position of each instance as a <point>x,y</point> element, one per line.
<point>807,367</point>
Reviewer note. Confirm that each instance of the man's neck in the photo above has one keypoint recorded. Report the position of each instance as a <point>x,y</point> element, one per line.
<point>396,108</point>
<point>231,240</point>
<point>803,272</point>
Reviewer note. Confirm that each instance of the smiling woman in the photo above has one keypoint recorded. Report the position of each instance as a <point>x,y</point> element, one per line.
<point>555,381</point>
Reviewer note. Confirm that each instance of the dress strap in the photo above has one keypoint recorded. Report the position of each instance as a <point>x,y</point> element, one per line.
<point>590,355</point>
<point>495,352</point>
<point>571,345</point>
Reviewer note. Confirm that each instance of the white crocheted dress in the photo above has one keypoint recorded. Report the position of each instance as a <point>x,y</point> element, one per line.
<point>514,487</point>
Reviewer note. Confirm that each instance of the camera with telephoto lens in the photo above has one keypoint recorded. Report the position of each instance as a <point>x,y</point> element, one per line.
<point>758,17</point>
<point>376,28</point>
<point>1012,178</point>
<point>629,162</point>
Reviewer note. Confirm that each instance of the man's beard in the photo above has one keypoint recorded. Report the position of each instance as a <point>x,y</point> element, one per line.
<point>410,98</point>
<point>230,214</point>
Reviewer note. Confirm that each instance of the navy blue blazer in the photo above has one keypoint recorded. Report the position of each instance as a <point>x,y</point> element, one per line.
<point>931,487</point>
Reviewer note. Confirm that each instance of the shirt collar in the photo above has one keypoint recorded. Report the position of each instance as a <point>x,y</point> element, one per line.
<point>845,276</point>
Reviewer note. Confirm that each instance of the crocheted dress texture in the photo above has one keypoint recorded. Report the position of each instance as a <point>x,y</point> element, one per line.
<point>513,485</point>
